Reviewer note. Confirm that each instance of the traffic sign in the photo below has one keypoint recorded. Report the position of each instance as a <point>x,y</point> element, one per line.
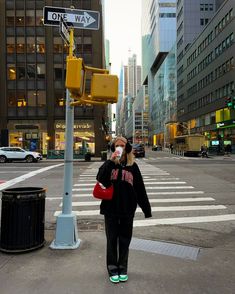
<point>76,18</point>
<point>64,32</point>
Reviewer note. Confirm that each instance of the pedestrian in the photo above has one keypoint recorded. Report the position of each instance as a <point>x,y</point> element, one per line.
<point>123,173</point>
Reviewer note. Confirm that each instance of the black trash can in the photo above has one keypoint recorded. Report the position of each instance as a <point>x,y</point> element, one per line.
<point>22,222</point>
<point>88,157</point>
<point>103,155</point>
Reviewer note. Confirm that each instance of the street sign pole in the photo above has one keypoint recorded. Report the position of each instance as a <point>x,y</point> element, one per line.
<point>66,226</point>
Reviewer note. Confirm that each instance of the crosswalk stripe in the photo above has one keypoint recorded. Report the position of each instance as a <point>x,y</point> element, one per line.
<point>147,188</point>
<point>176,192</point>
<point>151,183</point>
<point>80,195</point>
<point>146,179</point>
<point>184,220</point>
<point>161,209</point>
<point>167,200</point>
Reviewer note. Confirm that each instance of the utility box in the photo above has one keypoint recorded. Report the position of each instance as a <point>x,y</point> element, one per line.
<point>75,77</point>
<point>104,88</point>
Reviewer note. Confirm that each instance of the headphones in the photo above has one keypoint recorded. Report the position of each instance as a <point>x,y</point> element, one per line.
<point>128,147</point>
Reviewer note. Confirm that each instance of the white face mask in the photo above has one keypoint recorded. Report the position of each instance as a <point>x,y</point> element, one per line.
<point>120,150</point>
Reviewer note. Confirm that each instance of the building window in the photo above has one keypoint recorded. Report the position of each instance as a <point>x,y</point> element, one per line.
<point>39,17</point>
<point>41,101</point>
<point>30,18</point>
<point>30,44</point>
<point>11,97</point>
<point>41,71</point>
<point>57,45</point>
<point>40,45</point>
<point>20,18</point>
<point>58,71</point>
<point>21,99</point>
<point>20,46</point>
<point>59,98</point>
<point>11,72</point>
<point>32,98</point>
<point>10,18</point>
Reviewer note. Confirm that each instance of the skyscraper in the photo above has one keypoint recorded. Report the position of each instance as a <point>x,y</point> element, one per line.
<point>32,81</point>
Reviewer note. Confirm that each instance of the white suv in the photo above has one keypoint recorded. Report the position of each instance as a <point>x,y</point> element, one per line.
<point>16,153</point>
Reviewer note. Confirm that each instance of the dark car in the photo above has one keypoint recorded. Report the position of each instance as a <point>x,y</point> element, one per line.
<point>157,148</point>
<point>138,150</point>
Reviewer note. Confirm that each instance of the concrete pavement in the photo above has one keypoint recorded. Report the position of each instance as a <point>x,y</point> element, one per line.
<point>83,270</point>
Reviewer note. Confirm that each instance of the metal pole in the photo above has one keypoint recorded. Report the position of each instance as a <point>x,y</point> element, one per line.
<point>66,222</point>
<point>68,157</point>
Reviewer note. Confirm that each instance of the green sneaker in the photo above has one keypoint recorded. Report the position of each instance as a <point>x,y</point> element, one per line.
<point>114,279</point>
<point>123,278</point>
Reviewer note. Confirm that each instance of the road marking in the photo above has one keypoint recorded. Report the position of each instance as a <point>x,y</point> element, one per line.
<point>159,179</point>
<point>12,172</point>
<point>147,188</point>
<point>176,193</point>
<point>184,220</point>
<point>161,209</point>
<point>169,200</point>
<point>151,183</point>
<point>26,176</point>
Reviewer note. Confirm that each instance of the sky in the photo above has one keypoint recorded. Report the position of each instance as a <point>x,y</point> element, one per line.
<point>123,30</point>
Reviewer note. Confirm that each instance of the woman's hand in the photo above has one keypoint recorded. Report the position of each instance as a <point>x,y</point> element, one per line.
<point>115,155</point>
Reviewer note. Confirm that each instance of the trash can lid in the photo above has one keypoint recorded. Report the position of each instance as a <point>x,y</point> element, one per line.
<point>23,193</point>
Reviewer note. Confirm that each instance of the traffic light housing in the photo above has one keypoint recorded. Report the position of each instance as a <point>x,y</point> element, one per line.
<point>233,102</point>
<point>104,88</point>
<point>75,76</point>
<point>229,103</point>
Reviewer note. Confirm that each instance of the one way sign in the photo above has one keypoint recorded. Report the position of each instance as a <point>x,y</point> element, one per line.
<point>82,19</point>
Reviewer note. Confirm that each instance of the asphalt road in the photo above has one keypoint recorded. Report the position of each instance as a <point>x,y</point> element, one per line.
<point>192,198</point>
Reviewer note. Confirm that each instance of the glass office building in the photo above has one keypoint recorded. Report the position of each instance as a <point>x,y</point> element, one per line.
<point>158,36</point>
<point>32,58</point>
<point>164,102</point>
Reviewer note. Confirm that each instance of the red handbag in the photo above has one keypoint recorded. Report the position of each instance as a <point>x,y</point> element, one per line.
<point>103,193</point>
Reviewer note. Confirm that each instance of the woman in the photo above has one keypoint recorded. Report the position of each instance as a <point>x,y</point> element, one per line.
<point>129,190</point>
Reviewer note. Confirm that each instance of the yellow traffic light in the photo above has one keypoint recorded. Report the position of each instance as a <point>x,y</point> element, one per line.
<point>104,88</point>
<point>75,76</point>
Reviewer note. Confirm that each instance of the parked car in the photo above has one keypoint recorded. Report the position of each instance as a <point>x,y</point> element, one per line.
<point>17,153</point>
<point>138,150</point>
<point>157,148</point>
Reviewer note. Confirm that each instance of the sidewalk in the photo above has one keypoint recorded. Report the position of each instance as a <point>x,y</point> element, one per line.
<point>83,271</point>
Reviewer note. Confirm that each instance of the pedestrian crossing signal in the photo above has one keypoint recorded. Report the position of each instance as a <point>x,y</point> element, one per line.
<point>75,76</point>
<point>104,88</point>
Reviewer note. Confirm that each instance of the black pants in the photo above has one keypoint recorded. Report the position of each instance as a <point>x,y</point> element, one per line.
<point>118,233</point>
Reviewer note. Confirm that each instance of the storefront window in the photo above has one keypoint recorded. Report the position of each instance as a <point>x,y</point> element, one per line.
<point>83,136</point>
<point>16,139</point>
<point>11,72</point>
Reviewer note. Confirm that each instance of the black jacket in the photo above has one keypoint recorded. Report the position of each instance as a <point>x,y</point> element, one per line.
<point>129,190</point>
